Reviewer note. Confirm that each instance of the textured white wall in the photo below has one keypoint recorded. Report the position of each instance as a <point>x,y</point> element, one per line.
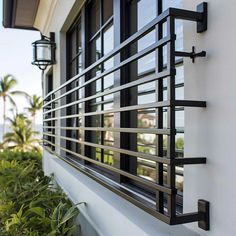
<point>211,132</point>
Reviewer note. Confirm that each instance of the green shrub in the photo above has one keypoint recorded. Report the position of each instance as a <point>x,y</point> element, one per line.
<point>29,204</point>
<point>10,155</point>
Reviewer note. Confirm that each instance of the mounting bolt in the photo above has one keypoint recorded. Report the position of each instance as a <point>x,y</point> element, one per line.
<point>199,54</point>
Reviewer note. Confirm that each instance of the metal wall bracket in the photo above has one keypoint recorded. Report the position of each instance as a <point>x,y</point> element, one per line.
<point>202,24</point>
<point>204,211</point>
<point>191,55</point>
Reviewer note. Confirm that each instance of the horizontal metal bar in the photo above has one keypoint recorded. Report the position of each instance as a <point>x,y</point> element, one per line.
<point>114,187</point>
<point>183,54</point>
<point>120,65</point>
<point>118,171</point>
<point>123,192</point>
<point>167,103</point>
<point>187,218</point>
<point>136,36</point>
<point>123,130</point>
<point>163,160</point>
<point>104,102</point>
<point>189,161</point>
<point>185,14</point>
<point>109,21</point>
<point>122,109</point>
<point>146,156</point>
<point>189,103</point>
<point>141,81</point>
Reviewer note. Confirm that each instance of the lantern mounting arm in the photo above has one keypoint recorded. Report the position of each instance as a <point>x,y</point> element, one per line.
<point>51,38</point>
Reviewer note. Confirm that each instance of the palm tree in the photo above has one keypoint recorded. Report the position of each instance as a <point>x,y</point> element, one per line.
<point>36,105</point>
<point>22,136</point>
<point>6,85</point>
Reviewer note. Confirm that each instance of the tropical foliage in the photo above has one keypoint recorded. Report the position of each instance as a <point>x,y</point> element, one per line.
<point>22,137</point>
<point>7,83</point>
<point>29,204</point>
<point>35,105</point>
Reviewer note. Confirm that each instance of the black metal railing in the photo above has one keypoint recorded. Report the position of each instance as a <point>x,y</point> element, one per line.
<point>52,107</point>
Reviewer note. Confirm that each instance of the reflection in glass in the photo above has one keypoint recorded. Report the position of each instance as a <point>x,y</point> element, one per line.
<point>146,118</point>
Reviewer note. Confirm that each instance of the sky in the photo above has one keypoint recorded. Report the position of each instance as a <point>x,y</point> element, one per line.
<point>15,58</point>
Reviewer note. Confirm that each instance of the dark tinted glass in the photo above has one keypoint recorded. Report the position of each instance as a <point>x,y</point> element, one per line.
<point>94,16</point>
<point>107,9</point>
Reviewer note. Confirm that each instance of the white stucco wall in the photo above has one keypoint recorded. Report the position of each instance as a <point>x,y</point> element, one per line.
<point>210,132</point>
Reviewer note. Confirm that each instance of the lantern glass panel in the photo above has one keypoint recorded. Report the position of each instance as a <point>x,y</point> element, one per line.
<point>44,52</point>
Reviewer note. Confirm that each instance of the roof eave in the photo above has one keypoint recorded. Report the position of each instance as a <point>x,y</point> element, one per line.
<point>9,12</point>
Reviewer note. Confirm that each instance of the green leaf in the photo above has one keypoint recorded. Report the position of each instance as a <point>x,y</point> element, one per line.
<point>52,233</point>
<point>37,210</point>
<point>71,213</point>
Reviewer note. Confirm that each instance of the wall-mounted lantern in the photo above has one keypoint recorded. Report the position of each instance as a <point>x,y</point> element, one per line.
<point>44,51</point>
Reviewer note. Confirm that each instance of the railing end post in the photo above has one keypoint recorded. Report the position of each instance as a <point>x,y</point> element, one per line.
<point>202,24</point>
<point>204,210</point>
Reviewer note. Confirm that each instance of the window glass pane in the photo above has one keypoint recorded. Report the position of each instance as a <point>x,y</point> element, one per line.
<point>107,9</point>
<point>108,37</point>
<point>179,79</point>
<point>146,143</point>
<point>147,62</point>
<point>72,69</point>
<point>179,116</point>
<point>171,3</point>
<point>73,42</point>
<point>109,120</point>
<point>94,16</point>
<point>179,93</point>
<point>146,12</point>
<point>141,13</point>
<point>96,50</point>
<point>146,93</point>
<point>146,169</point>
<point>96,54</point>
<point>179,35</point>
<point>146,118</point>
<point>79,48</point>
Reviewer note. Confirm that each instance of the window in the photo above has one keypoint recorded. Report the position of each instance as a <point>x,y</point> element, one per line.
<point>122,104</point>
<point>49,126</point>
<point>140,13</point>
<point>74,67</point>
<point>100,43</point>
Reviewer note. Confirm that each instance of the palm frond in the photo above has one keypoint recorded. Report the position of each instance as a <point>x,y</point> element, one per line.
<point>11,100</point>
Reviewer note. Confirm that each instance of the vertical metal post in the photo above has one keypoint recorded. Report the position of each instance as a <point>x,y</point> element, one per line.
<point>159,112</point>
<point>117,82</point>
<point>43,95</point>
<point>171,200</point>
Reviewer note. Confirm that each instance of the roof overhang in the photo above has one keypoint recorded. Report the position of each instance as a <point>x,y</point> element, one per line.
<point>20,14</point>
